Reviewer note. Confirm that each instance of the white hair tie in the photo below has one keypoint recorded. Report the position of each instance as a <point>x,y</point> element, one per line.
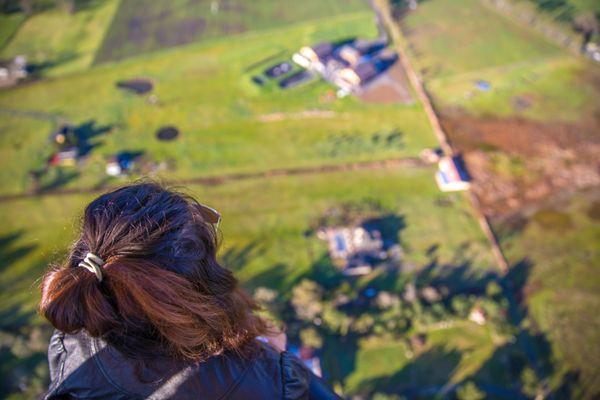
<point>94,264</point>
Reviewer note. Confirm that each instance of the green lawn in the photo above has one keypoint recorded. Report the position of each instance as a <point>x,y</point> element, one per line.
<point>449,355</point>
<point>264,225</point>
<point>268,218</point>
<point>559,87</point>
<point>60,43</point>
<point>458,43</point>
<point>458,36</point>
<point>561,245</point>
<point>229,125</point>
<point>9,24</point>
<point>203,89</point>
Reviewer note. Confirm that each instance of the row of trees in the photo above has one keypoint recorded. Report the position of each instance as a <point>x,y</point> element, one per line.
<point>313,312</point>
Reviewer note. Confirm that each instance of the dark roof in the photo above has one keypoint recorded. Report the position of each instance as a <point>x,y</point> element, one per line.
<point>369,46</point>
<point>366,71</point>
<point>323,50</point>
<point>461,168</point>
<point>295,79</point>
<point>278,69</point>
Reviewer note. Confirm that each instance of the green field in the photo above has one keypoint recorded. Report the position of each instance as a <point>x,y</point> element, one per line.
<point>222,133</point>
<point>529,79</point>
<point>478,44</point>
<point>58,43</point>
<point>264,242</point>
<point>167,23</point>
<point>561,243</point>
<point>9,24</point>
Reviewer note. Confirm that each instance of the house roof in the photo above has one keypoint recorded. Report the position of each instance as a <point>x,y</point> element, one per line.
<point>323,49</point>
<point>369,46</point>
<point>366,71</point>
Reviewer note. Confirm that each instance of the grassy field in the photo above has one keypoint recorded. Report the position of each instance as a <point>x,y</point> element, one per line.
<point>57,43</point>
<point>229,125</point>
<point>439,30</point>
<point>264,222</point>
<point>478,44</point>
<point>221,133</point>
<point>140,26</point>
<point>451,355</point>
<point>561,243</point>
<point>457,44</point>
<point>9,24</point>
<point>268,218</point>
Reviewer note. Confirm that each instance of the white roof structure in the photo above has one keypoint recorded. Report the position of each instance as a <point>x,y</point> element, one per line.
<point>451,176</point>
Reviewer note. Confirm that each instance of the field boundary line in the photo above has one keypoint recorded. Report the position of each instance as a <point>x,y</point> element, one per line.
<point>404,162</point>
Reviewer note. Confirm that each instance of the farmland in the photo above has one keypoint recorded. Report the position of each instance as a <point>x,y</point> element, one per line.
<point>169,23</point>
<point>275,161</point>
<point>264,241</point>
<point>230,126</point>
<point>226,132</point>
<point>515,105</point>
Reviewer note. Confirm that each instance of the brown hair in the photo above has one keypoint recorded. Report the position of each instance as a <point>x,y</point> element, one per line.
<point>163,290</point>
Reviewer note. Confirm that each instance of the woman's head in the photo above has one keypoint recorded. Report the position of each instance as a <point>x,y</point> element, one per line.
<point>162,291</point>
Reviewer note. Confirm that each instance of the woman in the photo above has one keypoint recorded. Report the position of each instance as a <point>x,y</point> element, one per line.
<point>142,309</point>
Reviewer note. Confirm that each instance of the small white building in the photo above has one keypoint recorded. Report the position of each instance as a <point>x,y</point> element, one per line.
<point>451,175</point>
<point>478,316</point>
<point>314,57</point>
<point>11,71</point>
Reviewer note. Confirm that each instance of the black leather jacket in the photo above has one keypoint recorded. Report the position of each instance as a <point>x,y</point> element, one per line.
<point>82,367</point>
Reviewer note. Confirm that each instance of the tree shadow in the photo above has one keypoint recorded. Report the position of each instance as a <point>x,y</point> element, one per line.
<point>36,71</point>
<point>13,317</point>
<point>11,251</point>
<point>339,357</point>
<point>459,278</point>
<point>530,349</point>
<point>325,273</point>
<point>85,134</point>
<point>501,375</point>
<point>273,278</point>
<point>236,257</point>
<point>58,178</point>
<point>390,227</point>
<point>426,375</point>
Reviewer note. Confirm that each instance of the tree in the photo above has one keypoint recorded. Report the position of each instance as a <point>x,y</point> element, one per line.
<point>336,320</point>
<point>307,299</point>
<point>310,337</point>
<point>363,324</point>
<point>529,382</point>
<point>461,305</point>
<point>493,289</point>
<point>469,391</point>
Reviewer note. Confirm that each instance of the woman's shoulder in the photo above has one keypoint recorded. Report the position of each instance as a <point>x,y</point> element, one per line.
<point>287,373</point>
<point>81,363</point>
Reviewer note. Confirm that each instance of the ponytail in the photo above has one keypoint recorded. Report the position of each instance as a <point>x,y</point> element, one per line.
<point>72,300</point>
<point>137,298</point>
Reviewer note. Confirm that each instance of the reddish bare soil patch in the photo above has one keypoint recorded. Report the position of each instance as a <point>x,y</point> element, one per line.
<point>391,87</point>
<point>516,162</point>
